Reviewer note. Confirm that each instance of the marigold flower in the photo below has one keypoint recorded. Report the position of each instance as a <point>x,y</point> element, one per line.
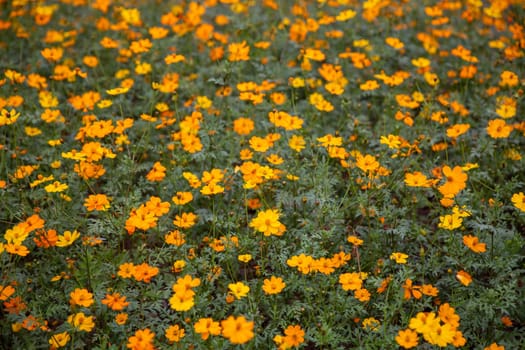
<point>175,237</point>
<point>508,79</point>
<point>245,258</point>
<point>440,335</point>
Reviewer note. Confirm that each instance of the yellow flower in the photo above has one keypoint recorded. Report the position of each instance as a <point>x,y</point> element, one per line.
<point>59,340</point>
<point>56,187</point>
<point>81,322</point>
<point>67,238</point>
<point>239,289</point>
<point>117,91</point>
<point>399,258</point>
<point>518,199</point>
<point>450,222</point>
<point>244,258</point>
<point>267,222</point>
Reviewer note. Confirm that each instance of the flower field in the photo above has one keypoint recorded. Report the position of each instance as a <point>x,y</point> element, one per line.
<point>263,174</point>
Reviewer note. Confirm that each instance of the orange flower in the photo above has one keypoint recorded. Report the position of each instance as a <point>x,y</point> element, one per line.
<point>126,270</point>
<point>498,128</point>
<point>362,295</point>
<point>174,333</point>
<point>293,336</point>
<point>238,330</point>
<point>141,340</point>
<point>121,318</point>
<point>206,327</point>
<point>16,249</point>
<point>350,281</point>
<point>145,272</point>
<point>274,285</point>
<point>417,179</point>
<point>243,126</point>
<point>52,54</point>
<point>455,181</point>
<point>81,297</point>
<point>473,244</point>
<point>367,163</point>
<point>99,202</point>
<point>6,292</point>
<point>185,220</point>
<point>464,278</point>
<point>45,239</point>
<point>115,301</point>
<point>508,79</point>
<point>407,338</point>
<point>399,258</point>
<point>457,129</point>
<point>157,172</point>
<point>411,290</point>
<point>182,198</point>
<point>238,52</point>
